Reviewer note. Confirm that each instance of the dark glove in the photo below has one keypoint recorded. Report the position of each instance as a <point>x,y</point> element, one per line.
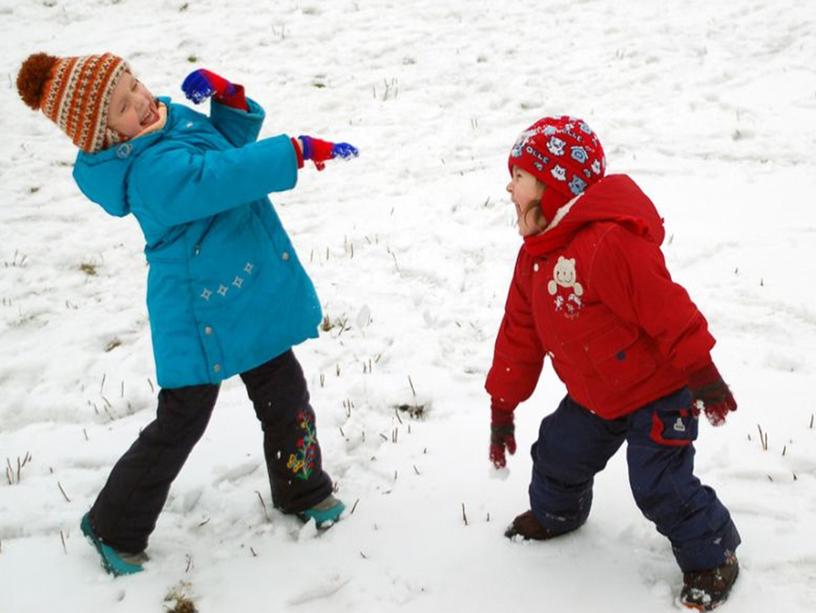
<point>707,387</point>
<point>321,150</point>
<point>201,84</point>
<point>502,435</point>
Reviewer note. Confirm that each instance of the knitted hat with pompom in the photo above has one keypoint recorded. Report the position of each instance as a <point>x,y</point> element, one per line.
<point>564,154</point>
<point>74,93</point>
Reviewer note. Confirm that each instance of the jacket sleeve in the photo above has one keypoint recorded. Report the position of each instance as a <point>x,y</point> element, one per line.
<point>630,276</point>
<point>239,127</point>
<point>518,355</point>
<point>177,184</point>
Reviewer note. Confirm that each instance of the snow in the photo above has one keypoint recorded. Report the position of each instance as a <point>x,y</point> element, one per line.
<point>711,107</point>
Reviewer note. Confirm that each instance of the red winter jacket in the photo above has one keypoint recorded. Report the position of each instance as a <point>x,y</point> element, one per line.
<point>592,292</point>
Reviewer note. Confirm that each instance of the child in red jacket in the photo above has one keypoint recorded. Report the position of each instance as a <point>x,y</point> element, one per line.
<point>591,291</point>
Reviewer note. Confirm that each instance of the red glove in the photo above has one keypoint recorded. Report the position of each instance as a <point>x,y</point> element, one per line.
<point>502,435</point>
<point>707,387</point>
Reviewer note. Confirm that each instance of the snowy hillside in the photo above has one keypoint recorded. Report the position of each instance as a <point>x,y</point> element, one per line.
<point>710,106</point>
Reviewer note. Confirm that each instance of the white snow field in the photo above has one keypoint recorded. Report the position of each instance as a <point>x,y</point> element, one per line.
<point>710,106</point>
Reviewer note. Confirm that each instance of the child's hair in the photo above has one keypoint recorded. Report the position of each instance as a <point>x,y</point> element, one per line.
<point>534,209</point>
<point>74,93</point>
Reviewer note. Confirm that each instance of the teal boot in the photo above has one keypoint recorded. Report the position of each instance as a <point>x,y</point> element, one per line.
<point>116,563</point>
<point>324,513</point>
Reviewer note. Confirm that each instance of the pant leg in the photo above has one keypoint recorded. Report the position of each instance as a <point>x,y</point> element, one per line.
<point>293,459</point>
<point>661,472</point>
<point>126,509</point>
<point>573,445</point>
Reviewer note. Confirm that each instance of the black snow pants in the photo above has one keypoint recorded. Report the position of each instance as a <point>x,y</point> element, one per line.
<point>126,510</point>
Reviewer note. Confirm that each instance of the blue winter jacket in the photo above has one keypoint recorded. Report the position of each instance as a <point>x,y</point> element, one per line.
<point>225,289</point>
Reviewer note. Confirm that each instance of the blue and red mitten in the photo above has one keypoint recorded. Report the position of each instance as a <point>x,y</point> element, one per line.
<point>319,151</point>
<point>202,83</point>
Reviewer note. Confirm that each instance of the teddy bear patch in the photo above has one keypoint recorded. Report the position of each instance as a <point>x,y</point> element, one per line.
<point>565,288</point>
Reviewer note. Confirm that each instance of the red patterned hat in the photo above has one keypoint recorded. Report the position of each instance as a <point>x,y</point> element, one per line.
<point>564,154</point>
<point>74,93</point>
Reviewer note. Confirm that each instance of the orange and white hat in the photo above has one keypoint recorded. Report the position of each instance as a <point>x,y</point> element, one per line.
<point>74,93</point>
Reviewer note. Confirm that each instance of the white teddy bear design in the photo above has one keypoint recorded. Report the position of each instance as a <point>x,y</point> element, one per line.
<point>565,289</point>
<point>564,275</point>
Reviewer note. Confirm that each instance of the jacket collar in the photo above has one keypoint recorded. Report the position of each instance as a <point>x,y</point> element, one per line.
<point>102,176</point>
<point>613,199</point>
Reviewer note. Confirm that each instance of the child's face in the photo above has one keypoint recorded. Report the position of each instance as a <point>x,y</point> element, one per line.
<point>525,192</point>
<point>132,108</point>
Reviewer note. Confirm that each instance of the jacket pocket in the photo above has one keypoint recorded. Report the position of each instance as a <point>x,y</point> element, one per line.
<point>228,262</point>
<point>618,358</point>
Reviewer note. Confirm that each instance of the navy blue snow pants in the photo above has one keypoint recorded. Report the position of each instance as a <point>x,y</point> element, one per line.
<point>574,444</point>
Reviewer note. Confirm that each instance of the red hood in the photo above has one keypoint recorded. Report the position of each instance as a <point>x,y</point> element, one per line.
<point>616,199</point>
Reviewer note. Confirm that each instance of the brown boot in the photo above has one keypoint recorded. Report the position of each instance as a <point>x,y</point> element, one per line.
<point>529,528</point>
<point>705,590</point>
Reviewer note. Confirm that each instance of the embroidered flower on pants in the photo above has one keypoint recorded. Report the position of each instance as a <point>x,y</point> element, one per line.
<point>302,462</point>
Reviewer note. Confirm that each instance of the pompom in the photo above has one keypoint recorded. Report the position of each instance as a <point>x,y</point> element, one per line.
<point>31,79</point>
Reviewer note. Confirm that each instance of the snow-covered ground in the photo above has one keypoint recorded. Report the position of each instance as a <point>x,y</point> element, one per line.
<point>710,106</point>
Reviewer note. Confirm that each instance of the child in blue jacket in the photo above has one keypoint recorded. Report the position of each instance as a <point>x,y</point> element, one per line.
<point>226,293</point>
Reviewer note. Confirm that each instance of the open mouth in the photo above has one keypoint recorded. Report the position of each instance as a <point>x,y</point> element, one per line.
<point>151,117</point>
